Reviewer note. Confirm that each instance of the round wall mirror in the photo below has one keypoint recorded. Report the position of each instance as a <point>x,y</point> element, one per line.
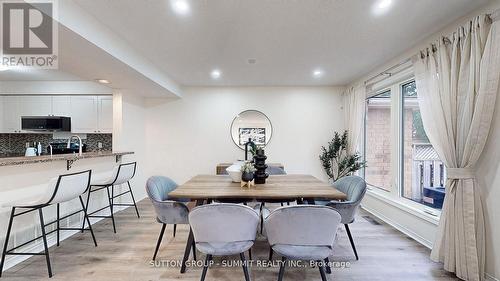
<point>251,124</point>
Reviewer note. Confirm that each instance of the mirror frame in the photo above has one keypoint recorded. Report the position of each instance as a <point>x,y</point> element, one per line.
<point>234,119</point>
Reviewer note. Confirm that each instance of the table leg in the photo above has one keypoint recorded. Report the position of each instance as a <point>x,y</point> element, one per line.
<point>189,243</point>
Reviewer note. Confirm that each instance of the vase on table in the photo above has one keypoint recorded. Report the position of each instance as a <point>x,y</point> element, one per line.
<point>260,166</point>
<point>246,177</point>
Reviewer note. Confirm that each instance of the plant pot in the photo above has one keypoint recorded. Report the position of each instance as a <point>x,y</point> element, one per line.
<point>246,177</point>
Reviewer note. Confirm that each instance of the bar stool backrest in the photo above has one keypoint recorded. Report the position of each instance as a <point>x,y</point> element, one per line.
<point>70,186</point>
<point>303,225</point>
<point>223,223</point>
<point>124,172</point>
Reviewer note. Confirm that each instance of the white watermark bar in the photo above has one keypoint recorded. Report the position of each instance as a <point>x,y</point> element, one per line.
<point>248,263</point>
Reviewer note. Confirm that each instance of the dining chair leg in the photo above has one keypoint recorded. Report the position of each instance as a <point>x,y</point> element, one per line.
<point>187,250</point>
<point>205,267</point>
<point>175,229</point>
<point>193,245</point>
<point>271,254</point>
<point>250,254</point>
<point>159,240</point>
<point>281,204</point>
<point>87,207</point>
<point>327,266</point>
<point>7,236</point>
<point>57,224</point>
<point>282,269</point>
<point>86,218</point>
<point>245,268</point>
<point>133,199</point>
<point>44,238</point>
<point>322,271</point>
<point>110,199</point>
<point>351,240</point>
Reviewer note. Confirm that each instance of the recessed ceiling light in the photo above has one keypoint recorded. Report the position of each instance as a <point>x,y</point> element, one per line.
<point>180,7</point>
<point>381,6</point>
<point>103,81</point>
<point>317,73</point>
<point>215,74</point>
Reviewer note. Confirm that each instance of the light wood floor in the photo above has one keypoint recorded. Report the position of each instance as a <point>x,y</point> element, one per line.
<point>385,254</point>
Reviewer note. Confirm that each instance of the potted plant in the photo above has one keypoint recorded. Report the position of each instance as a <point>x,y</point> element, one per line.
<point>247,172</point>
<point>336,160</point>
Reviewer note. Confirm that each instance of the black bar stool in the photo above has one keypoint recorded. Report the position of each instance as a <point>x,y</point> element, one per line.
<point>121,174</point>
<point>61,189</point>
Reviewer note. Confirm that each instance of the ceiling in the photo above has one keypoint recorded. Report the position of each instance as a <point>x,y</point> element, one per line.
<point>288,38</point>
<point>80,60</point>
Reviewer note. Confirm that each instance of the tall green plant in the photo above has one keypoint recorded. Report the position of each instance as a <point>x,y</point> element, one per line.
<point>335,159</point>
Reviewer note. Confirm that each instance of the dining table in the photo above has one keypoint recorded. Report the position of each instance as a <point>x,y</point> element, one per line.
<point>207,188</point>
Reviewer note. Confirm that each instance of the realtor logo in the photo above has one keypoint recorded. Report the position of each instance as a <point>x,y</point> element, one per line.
<point>28,34</point>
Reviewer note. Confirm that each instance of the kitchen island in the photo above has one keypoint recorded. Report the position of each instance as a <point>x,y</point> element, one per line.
<point>27,177</point>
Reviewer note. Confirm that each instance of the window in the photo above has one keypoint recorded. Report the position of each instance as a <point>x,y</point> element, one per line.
<point>423,173</point>
<point>377,141</point>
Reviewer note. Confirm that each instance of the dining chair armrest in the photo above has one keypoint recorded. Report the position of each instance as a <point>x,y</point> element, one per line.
<point>347,210</point>
<point>171,212</point>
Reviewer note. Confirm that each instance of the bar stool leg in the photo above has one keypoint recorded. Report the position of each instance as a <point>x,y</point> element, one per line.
<point>9,228</point>
<point>133,199</point>
<point>110,197</point>
<point>87,206</point>
<point>44,237</point>
<point>58,225</point>
<point>86,217</point>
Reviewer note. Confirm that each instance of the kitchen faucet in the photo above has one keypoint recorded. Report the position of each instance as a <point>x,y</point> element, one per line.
<point>79,143</point>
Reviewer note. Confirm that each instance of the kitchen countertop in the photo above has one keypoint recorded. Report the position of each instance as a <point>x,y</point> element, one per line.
<point>22,160</point>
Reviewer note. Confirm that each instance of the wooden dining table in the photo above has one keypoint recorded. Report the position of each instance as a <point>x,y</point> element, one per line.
<point>206,188</point>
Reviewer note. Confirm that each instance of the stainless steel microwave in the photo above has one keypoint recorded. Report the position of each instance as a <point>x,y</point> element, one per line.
<point>46,123</point>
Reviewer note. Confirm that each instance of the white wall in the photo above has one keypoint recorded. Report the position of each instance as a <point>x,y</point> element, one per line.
<point>488,174</point>
<point>129,135</point>
<point>191,135</point>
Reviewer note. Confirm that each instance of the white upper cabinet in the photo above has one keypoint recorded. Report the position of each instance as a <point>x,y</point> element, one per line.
<point>35,106</point>
<point>89,114</point>
<point>61,106</point>
<point>84,114</point>
<point>105,114</point>
<point>11,115</point>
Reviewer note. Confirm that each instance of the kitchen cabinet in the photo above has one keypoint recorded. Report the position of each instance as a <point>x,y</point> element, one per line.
<point>84,114</point>
<point>89,114</point>
<point>34,106</point>
<point>11,115</point>
<point>61,106</point>
<point>105,114</point>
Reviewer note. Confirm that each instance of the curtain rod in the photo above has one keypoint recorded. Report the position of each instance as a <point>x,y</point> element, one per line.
<point>387,71</point>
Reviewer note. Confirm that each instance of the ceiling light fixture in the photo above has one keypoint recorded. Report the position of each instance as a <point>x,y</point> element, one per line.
<point>215,74</point>
<point>103,81</point>
<point>180,7</point>
<point>317,73</point>
<point>381,6</point>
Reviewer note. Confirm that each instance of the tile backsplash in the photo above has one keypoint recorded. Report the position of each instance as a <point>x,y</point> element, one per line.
<point>16,143</point>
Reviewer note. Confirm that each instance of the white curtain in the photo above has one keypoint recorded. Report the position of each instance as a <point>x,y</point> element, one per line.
<point>354,103</point>
<point>458,82</point>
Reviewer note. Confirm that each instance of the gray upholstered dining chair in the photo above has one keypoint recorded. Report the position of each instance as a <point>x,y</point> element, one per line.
<point>167,211</point>
<point>355,188</point>
<point>303,232</point>
<point>223,229</point>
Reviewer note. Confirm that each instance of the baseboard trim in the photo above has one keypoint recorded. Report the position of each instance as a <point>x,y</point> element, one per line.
<point>413,235</point>
<point>400,227</point>
<point>489,277</point>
